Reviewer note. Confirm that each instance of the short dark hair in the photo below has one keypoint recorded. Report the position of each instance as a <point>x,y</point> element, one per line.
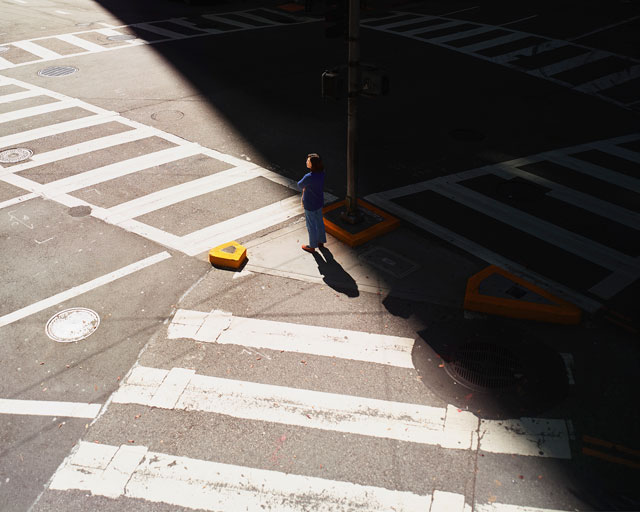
<point>316,162</point>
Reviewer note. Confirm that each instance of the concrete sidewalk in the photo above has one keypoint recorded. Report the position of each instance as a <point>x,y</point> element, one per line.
<point>400,263</point>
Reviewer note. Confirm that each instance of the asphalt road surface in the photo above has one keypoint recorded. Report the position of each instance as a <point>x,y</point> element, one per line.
<point>135,137</point>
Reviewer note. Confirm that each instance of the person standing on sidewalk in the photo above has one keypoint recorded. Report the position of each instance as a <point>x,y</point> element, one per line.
<point>312,186</point>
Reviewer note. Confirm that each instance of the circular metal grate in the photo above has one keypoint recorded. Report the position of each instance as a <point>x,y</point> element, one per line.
<point>57,71</point>
<point>121,37</point>
<point>484,365</point>
<point>14,155</point>
<point>72,324</point>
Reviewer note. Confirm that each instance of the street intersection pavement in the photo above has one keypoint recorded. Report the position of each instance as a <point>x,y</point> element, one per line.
<point>304,382</point>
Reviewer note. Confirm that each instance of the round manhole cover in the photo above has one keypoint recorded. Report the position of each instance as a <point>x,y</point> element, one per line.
<point>72,324</point>
<point>121,37</point>
<point>57,71</point>
<point>4,49</point>
<point>79,211</point>
<point>167,115</point>
<point>466,135</point>
<point>484,365</point>
<point>15,155</point>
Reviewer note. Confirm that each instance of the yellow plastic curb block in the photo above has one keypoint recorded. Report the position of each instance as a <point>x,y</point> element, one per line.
<point>353,240</point>
<point>558,311</point>
<point>229,255</point>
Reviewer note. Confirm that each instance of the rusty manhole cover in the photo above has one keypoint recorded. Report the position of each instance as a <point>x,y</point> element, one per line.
<point>72,324</point>
<point>483,365</point>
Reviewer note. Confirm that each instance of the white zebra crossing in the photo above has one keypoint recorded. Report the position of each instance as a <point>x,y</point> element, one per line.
<point>598,86</point>
<point>624,269</point>
<point>124,214</point>
<point>134,471</point>
<point>85,47</point>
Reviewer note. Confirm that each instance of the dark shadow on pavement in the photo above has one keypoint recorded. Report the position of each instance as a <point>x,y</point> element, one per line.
<point>334,275</point>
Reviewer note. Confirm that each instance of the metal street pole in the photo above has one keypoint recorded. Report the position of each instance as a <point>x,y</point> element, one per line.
<point>352,214</point>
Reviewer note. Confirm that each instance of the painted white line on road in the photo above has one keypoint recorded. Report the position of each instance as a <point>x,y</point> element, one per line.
<point>576,244</point>
<point>612,80</point>
<point>17,200</point>
<point>606,27</point>
<point>614,283</point>
<point>383,200</point>
<point>505,507</point>
<point>16,96</point>
<point>118,169</point>
<point>612,149</point>
<point>40,109</point>
<point>81,43</point>
<point>460,10</point>
<point>224,328</point>
<point>55,129</point>
<point>546,46</point>
<point>546,437</point>
<point>226,21</point>
<point>519,20</point>
<point>395,24</point>
<point>602,173</point>
<point>81,148</point>
<point>158,30</point>
<point>214,486</point>
<point>304,408</point>
<point>49,408</point>
<point>447,502</point>
<point>567,64</point>
<point>83,288</point>
<point>449,428</point>
<point>241,226</point>
<point>515,36</point>
<point>37,50</point>
<point>178,193</point>
<point>570,196</point>
<point>460,35</point>
<point>417,32</point>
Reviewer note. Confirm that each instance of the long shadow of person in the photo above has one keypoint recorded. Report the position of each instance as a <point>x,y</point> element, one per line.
<point>334,275</point>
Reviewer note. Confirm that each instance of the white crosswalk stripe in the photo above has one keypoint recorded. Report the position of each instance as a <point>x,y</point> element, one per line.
<point>84,46</point>
<point>602,86</point>
<point>65,188</point>
<point>624,267</point>
<point>125,471</point>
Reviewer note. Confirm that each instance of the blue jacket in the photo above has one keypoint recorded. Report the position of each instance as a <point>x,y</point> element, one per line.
<point>313,197</point>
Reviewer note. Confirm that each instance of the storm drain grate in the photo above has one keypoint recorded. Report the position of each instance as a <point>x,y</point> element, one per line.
<point>484,365</point>
<point>14,155</point>
<point>57,71</point>
<point>121,37</point>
